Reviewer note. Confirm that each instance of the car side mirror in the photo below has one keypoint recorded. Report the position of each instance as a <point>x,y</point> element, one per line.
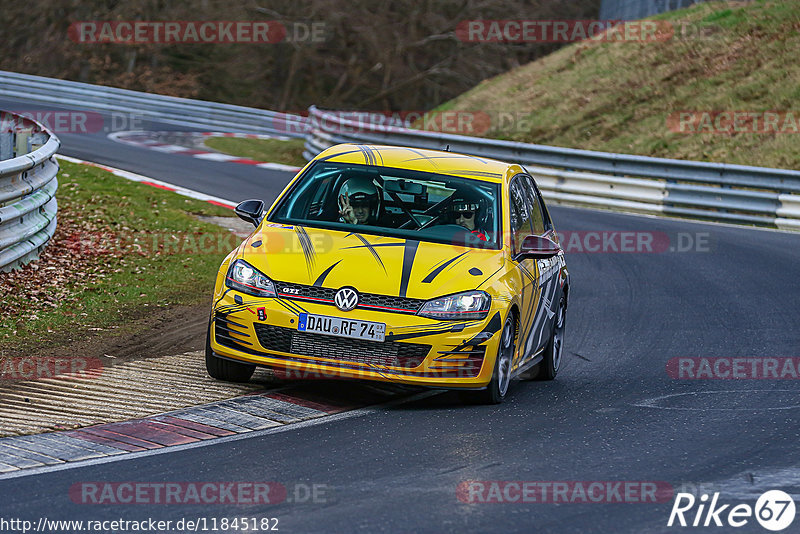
<point>250,211</point>
<point>538,248</point>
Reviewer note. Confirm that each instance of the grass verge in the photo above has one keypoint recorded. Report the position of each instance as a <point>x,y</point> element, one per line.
<point>287,152</point>
<point>121,250</point>
<point>624,96</point>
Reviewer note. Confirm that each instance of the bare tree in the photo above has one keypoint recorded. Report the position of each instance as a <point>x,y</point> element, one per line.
<point>376,54</point>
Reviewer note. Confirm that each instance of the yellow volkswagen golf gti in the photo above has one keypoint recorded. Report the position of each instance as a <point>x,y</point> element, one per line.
<point>399,265</point>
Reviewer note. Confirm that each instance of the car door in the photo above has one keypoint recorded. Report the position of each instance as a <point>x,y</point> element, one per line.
<point>521,226</point>
<point>546,270</point>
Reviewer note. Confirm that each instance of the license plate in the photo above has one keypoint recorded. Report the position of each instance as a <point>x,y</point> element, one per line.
<point>337,326</point>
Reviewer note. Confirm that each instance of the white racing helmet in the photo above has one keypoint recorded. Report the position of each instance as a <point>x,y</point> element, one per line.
<point>360,190</point>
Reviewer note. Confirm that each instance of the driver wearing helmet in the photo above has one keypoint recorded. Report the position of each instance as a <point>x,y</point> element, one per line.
<point>468,213</point>
<point>359,201</point>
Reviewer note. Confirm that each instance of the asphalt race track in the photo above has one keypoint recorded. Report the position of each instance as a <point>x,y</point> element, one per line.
<point>187,172</point>
<point>613,414</point>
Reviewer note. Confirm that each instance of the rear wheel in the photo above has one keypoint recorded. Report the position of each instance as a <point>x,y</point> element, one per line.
<point>496,391</point>
<point>227,370</point>
<point>549,366</point>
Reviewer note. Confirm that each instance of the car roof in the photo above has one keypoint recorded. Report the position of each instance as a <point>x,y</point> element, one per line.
<point>436,161</point>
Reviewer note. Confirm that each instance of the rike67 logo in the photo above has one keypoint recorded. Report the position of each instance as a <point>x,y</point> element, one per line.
<point>774,510</point>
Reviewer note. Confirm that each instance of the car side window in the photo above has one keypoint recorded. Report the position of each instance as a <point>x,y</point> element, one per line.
<point>537,213</point>
<point>520,214</point>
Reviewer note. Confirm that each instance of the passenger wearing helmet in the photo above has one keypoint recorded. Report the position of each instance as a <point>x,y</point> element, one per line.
<point>359,201</point>
<point>468,213</point>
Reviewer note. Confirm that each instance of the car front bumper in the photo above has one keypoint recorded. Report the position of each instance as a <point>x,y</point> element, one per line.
<point>417,350</point>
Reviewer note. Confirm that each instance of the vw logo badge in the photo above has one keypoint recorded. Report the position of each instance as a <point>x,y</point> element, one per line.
<point>346,299</point>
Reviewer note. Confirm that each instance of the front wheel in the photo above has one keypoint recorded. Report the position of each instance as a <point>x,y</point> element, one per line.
<point>496,391</point>
<point>226,370</point>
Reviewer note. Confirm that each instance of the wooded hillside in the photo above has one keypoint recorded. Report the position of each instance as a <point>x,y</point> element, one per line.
<point>372,54</point>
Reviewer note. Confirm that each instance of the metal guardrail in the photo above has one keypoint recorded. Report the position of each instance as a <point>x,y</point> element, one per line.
<point>28,184</point>
<point>711,191</point>
<point>184,111</point>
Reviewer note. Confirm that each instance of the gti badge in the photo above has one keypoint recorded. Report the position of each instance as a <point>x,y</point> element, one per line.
<point>346,299</point>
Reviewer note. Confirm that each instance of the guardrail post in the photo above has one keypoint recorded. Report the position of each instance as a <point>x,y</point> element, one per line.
<point>6,145</point>
<point>38,140</point>
<point>22,144</point>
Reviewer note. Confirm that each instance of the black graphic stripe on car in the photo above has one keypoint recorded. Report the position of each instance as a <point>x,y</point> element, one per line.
<point>297,310</point>
<point>321,278</point>
<point>434,273</point>
<point>374,152</point>
<point>422,156</point>
<point>222,297</point>
<point>412,335</point>
<point>371,248</point>
<point>307,246</point>
<point>492,327</point>
<point>326,158</point>
<point>376,245</point>
<point>476,173</point>
<point>408,263</point>
<point>527,322</point>
<point>369,159</point>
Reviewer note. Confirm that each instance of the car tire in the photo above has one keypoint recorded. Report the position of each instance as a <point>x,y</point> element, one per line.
<point>498,386</point>
<point>553,353</point>
<point>222,369</point>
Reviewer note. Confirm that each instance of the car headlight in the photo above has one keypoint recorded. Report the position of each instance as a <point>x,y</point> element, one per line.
<point>245,278</point>
<point>461,306</point>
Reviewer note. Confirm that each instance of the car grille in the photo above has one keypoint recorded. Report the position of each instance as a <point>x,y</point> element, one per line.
<point>388,353</point>
<point>365,300</point>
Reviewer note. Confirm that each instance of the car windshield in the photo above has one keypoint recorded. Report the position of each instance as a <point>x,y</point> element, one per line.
<point>395,203</point>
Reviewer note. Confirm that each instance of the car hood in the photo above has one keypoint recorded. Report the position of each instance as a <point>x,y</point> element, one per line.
<point>369,263</point>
